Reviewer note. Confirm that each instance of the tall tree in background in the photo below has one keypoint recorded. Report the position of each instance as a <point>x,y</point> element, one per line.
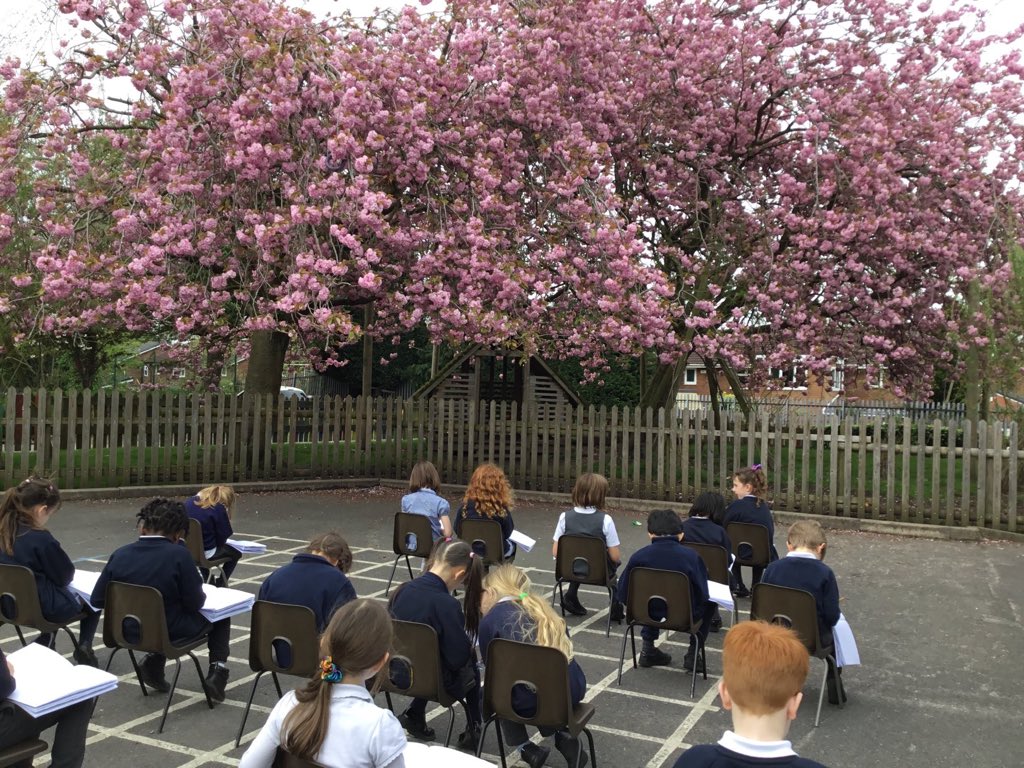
<point>755,182</point>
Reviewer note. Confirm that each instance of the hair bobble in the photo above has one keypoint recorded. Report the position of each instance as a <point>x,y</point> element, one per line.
<point>329,671</point>
<point>472,554</point>
<point>755,467</point>
<point>523,596</point>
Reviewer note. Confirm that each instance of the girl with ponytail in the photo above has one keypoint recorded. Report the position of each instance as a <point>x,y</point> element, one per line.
<point>750,485</point>
<point>24,540</point>
<point>513,612</point>
<point>428,600</point>
<point>332,719</point>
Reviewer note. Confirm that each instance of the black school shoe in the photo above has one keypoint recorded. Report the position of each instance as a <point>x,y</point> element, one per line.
<point>534,755</point>
<point>688,663</point>
<point>741,591</point>
<point>570,747</point>
<point>469,738</point>
<point>151,670</point>
<point>84,654</point>
<point>716,623</point>
<point>618,612</point>
<point>835,693</point>
<point>217,682</point>
<point>655,658</point>
<point>417,727</point>
<point>574,607</point>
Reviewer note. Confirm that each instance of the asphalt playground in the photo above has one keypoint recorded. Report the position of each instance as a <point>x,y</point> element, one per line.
<point>939,624</point>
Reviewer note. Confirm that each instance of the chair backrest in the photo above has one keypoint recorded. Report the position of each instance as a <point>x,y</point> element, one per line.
<point>19,597</point>
<point>792,608</point>
<point>659,598</point>
<point>715,558</point>
<point>284,759</point>
<point>292,624</point>
<point>413,535</point>
<point>583,559</point>
<point>415,666</point>
<point>142,610</point>
<point>484,536</point>
<point>544,670</point>
<point>194,542</point>
<point>750,543</point>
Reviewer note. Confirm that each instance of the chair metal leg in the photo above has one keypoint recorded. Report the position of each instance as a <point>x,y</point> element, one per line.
<point>451,726</point>
<point>248,705</point>
<point>202,681</point>
<point>611,602</point>
<point>111,659</point>
<point>622,655</point>
<point>74,640</point>
<point>277,684</point>
<point>21,636</point>
<point>170,694</point>
<point>391,704</point>
<point>501,744</point>
<point>632,640</point>
<point>409,566</point>
<point>138,672</point>
<point>821,695</point>
<point>392,576</point>
<point>593,754</point>
<point>696,662</point>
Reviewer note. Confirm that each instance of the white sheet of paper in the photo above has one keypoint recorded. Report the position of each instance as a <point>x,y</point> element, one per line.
<point>84,583</point>
<point>46,681</point>
<point>253,547</point>
<point>521,540</point>
<point>719,593</point>
<point>419,755</point>
<point>847,653</point>
<point>223,602</point>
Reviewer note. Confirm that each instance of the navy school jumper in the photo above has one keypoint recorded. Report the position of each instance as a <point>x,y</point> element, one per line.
<point>668,554</point>
<point>748,510</point>
<point>39,551</point>
<point>155,561</point>
<point>717,756</point>
<point>806,572</point>
<point>704,530</point>
<point>468,511</point>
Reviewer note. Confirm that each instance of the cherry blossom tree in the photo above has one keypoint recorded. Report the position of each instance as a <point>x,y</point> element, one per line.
<point>756,182</point>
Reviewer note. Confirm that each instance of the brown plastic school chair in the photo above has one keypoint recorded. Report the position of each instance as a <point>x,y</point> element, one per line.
<point>584,560</point>
<point>751,544</point>
<point>280,622</point>
<point>796,610</point>
<point>22,752</point>
<point>417,657</point>
<point>283,759</point>
<point>716,560</point>
<point>142,609</point>
<point>546,671</point>
<point>665,592</point>
<point>19,605</point>
<point>413,537</point>
<point>484,536</point>
<point>194,542</point>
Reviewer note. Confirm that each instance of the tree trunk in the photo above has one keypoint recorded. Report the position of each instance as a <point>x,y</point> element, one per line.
<point>367,351</point>
<point>663,385</point>
<point>972,362</point>
<point>266,362</point>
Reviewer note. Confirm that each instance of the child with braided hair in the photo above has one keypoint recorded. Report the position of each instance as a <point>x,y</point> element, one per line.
<point>513,612</point>
<point>24,540</point>
<point>332,719</point>
<point>156,560</point>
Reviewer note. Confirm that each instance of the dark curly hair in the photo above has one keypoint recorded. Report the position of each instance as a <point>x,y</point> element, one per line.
<point>163,517</point>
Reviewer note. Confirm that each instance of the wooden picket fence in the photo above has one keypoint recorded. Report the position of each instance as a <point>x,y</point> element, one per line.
<point>938,471</point>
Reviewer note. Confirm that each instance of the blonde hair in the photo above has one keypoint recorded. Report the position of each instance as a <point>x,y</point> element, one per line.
<point>806,534</point>
<point>548,627</point>
<point>212,495</point>
<point>489,491</point>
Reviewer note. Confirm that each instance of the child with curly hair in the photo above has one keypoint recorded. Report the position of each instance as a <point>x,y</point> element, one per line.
<point>488,497</point>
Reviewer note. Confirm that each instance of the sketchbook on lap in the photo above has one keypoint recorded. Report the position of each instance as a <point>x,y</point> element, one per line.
<point>84,583</point>
<point>419,755</point>
<point>222,602</point>
<point>251,547</point>
<point>46,681</point>
<point>521,540</point>
<point>719,593</point>
<point>847,653</point>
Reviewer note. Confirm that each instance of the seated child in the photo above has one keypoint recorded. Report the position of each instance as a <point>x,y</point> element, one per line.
<point>667,552</point>
<point>489,497</point>
<point>802,568</point>
<point>428,600</point>
<point>423,499</point>
<point>24,540</point>
<point>332,720</point>
<point>16,725</point>
<point>513,612</point>
<point>156,560</point>
<point>750,486</point>
<point>587,519</point>
<point>703,526</point>
<point>316,579</point>
<point>213,507</point>
<point>763,671</point>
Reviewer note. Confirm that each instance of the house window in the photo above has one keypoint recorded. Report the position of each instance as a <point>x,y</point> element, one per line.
<point>838,378</point>
<point>691,377</point>
<point>876,380</point>
<point>791,377</point>
<point>178,373</point>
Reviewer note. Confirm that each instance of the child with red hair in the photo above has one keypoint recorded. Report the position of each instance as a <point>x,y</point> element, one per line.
<point>488,497</point>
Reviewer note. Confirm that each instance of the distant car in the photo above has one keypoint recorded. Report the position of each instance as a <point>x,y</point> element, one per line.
<point>294,392</point>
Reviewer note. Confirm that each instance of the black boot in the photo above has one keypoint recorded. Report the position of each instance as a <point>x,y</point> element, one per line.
<point>534,755</point>
<point>653,657</point>
<point>151,670</point>
<point>217,681</point>
<point>570,747</point>
<point>84,654</point>
<point>416,726</point>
